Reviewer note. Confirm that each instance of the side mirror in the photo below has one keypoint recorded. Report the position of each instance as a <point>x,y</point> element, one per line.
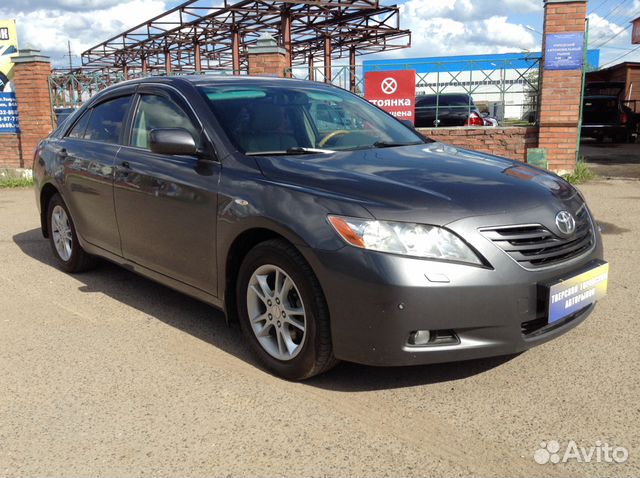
<point>408,123</point>
<point>172,141</point>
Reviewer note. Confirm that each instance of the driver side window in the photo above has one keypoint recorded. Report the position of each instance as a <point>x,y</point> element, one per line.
<point>159,112</point>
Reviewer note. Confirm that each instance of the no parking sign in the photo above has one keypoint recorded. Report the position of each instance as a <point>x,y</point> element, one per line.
<point>393,91</point>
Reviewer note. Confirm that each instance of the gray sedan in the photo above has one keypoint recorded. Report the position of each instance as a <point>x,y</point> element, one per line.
<point>325,227</point>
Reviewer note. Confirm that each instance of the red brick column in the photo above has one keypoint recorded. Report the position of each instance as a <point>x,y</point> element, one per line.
<point>561,90</point>
<point>31,75</point>
<point>266,58</point>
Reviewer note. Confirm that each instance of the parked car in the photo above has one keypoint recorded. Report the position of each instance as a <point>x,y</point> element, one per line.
<point>604,114</point>
<point>450,109</point>
<point>327,228</point>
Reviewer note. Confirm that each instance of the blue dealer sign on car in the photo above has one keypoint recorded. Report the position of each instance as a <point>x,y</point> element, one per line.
<point>564,51</point>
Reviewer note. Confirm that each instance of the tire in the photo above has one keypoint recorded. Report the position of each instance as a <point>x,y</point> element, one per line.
<point>287,350</point>
<point>63,238</point>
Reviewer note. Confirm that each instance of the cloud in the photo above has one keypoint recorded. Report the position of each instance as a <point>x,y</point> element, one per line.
<point>92,22</point>
<point>25,6</point>
<point>613,40</point>
<point>455,27</point>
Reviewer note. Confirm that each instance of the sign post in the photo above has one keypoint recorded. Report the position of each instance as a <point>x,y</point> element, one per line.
<point>393,91</point>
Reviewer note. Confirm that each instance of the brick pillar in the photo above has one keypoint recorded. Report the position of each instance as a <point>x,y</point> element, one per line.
<point>561,90</point>
<point>266,58</point>
<point>31,83</point>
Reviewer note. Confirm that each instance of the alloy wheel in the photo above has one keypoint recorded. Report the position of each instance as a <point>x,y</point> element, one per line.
<point>61,232</point>
<point>276,312</point>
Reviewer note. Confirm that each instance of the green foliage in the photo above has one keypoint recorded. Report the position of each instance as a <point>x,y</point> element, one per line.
<point>15,182</point>
<point>581,174</point>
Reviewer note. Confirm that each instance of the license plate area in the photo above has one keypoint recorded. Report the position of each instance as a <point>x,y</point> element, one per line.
<point>569,295</point>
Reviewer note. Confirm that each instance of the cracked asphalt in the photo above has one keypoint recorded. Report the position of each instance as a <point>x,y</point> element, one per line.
<point>109,374</point>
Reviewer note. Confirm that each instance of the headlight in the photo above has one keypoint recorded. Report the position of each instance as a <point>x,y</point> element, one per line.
<point>404,238</point>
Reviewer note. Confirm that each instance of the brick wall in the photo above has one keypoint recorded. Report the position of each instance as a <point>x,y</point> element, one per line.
<point>267,64</point>
<point>34,106</point>
<point>561,90</point>
<point>509,143</point>
<point>10,150</point>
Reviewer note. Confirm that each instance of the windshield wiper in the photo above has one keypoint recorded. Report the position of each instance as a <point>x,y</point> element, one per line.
<point>390,144</point>
<point>290,151</point>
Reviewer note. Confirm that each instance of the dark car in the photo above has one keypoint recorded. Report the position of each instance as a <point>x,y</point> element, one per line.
<point>450,109</point>
<point>604,114</point>
<point>327,228</point>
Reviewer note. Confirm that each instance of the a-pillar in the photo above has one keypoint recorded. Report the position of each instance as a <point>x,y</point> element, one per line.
<point>561,90</point>
<point>31,82</point>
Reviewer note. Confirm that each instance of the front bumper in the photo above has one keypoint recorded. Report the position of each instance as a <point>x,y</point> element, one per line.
<point>376,300</point>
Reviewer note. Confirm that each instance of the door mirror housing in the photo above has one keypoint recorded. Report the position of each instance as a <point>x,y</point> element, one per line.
<point>172,141</point>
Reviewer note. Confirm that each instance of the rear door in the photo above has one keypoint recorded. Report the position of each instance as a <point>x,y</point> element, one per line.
<point>87,154</point>
<point>166,205</point>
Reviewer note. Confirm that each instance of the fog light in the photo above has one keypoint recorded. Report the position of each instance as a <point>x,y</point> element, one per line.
<point>419,337</point>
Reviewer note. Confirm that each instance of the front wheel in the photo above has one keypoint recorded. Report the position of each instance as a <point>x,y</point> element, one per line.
<point>283,313</point>
<point>64,240</point>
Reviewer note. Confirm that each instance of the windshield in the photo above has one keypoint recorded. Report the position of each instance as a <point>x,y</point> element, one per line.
<point>297,119</point>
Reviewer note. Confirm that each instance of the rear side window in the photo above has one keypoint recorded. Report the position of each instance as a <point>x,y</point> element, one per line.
<point>106,120</point>
<point>81,126</point>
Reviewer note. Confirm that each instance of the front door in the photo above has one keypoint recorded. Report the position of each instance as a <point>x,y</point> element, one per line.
<point>166,205</point>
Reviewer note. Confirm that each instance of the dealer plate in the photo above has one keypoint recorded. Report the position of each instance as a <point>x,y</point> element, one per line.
<point>570,295</point>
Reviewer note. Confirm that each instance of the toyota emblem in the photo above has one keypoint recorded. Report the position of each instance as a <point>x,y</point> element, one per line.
<point>565,222</point>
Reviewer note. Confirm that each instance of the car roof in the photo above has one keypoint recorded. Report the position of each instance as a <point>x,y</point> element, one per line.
<point>208,79</point>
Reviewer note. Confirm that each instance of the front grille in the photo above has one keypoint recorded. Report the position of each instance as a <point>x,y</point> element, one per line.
<point>533,245</point>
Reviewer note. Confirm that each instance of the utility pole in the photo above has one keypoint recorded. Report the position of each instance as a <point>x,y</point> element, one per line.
<point>70,56</point>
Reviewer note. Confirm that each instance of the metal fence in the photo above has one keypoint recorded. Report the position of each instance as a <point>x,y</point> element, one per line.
<point>69,90</point>
<point>345,76</point>
<point>504,89</point>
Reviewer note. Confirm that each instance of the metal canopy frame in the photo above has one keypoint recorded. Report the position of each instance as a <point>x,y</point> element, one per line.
<point>196,36</point>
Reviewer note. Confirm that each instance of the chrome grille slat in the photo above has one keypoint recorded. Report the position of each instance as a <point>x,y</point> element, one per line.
<point>534,246</point>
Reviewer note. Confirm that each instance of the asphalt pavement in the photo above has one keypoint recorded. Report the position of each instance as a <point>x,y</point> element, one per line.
<point>110,374</point>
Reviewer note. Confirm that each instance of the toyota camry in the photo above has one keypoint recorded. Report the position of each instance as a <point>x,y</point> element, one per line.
<point>326,228</point>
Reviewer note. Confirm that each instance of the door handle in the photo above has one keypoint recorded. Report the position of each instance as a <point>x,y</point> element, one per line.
<point>125,165</point>
<point>62,154</point>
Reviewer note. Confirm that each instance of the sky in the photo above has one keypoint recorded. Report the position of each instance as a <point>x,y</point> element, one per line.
<point>439,27</point>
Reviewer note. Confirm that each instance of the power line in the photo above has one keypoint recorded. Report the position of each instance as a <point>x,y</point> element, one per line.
<point>633,17</point>
<point>613,37</point>
<point>620,57</point>
<point>617,48</point>
<point>600,5</point>
<point>602,19</point>
<point>610,13</point>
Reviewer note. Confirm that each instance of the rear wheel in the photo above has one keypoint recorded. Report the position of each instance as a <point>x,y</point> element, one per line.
<point>282,311</point>
<point>64,240</point>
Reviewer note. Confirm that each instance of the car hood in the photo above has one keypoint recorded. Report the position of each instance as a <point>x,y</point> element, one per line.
<point>430,183</point>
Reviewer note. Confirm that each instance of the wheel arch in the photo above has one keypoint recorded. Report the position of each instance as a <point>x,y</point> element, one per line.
<point>237,251</point>
<point>46,193</point>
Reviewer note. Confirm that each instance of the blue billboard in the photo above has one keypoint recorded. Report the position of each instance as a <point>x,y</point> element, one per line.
<point>500,61</point>
<point>564,51</point>
<point>8,113</point>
